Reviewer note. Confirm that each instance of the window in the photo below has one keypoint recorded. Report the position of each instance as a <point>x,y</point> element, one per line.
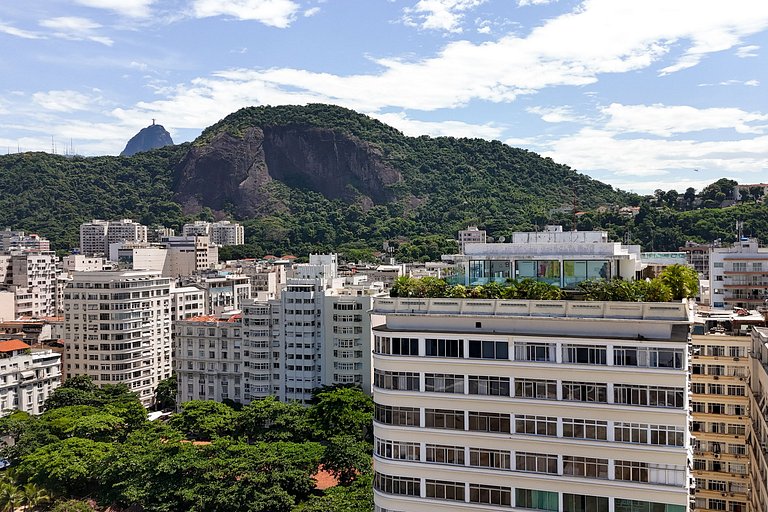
<point>667,435</point>
<point>581,503</point>
<point>443,490</point>
<point>540,389</point>
<point>444,418</point>
<point>631,471</point>
<point>585,466</point>
<point>584,354</point>
<point>585,391</point>
<point>396,346</point>
<point>537,500</point>
<point>487,385</point>
<point>490,494</point>
<point>654,396</point>
<point>624,505</point>
<point>648,357</point>
<point>536,462</point>
<point>404,416</point>
<point>535,352</point>
<point>489,422</point>
<point>585,429</point>
<point>444,348</point>
<point>399,450</point>
<point>445,454</point>
<point>489,458</point>
<point>397,485</point>
<point>630,432</point>
<point>536,425</point>
<point>488,349</point>
<point>406,381</point>
<point>443,383</point>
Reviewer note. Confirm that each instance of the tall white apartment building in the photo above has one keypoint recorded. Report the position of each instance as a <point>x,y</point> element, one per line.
<point>117,329</point>
<point>531,405</point>
<point>97,235</point>
<point>18,240</point>
<point>738,275</point>
<point>27,377</point>
<point>227,233</point>
<point>221,233</point>
<point>197,228</point>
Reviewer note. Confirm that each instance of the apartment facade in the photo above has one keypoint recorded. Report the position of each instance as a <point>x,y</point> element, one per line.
<point>117,329</point>
<point>739,275</point>
<point>27,377</point>
<point>209,355</point>
<point>758,403</point>
<point>545,405</point>
<point>31,276</point>
<point>221,233</point>
<point>97,235</point>
<point>720,369</point>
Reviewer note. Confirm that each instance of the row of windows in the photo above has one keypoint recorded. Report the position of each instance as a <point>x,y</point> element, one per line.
<point>587,467</point>
<point>574,428</point>
<point>643,357</point>
<point>627,394</point>
<point>502,496</point>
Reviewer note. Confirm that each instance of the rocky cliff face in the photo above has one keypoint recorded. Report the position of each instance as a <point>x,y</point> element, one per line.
<point>234,171</point>
<point>152,137</point>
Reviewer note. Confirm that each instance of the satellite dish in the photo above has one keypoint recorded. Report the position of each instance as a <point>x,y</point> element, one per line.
<point>502,239</point>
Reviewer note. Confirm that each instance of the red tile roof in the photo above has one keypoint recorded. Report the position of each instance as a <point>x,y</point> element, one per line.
<point>11,345</point>
<point>324,479</point>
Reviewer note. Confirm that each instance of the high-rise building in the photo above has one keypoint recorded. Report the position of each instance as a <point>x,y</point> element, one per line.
<point>227,233</point>
<point>739,275</point>
<point>546,405</point>
<point>758,408</point>
<point>720,368</point>
<point>471,235</point>
<point>189,255</point>
<point>209,356</point>
<point>97,235</point>
<point>197,228</point>
<point>20,241</point>
<point>117,329</point>
<point>31,276</point>
<point>27,377</point>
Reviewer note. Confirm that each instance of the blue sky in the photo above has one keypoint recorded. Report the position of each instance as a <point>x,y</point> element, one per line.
<point>641,94</point>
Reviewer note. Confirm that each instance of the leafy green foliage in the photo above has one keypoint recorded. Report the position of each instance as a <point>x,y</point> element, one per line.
<point>682,281</point>
<point>165,393</point>
<point>433,287</point>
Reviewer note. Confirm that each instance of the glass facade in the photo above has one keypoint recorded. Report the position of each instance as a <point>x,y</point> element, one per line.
<point>567,274</point>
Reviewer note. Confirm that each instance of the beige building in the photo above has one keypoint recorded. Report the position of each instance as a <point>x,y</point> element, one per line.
<point>221,233</point>
<point>758,439</point>
<point>471,235</point>
<point>31,276</point>
<point>720,368</point>
<point>27,377</point>
<point>531,405</point>
<point>117,329</point>
<point>209,358</point>
<point>189,255</point>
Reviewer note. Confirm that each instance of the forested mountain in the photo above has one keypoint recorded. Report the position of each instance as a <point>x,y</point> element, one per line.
<point>320,177</point>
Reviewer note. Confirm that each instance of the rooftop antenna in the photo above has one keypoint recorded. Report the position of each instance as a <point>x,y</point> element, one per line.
<point>153,121</point>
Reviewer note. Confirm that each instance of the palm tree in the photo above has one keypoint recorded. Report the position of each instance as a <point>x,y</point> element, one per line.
<point>682,280</point>
<point>10,497</point>
<point>33,496</point>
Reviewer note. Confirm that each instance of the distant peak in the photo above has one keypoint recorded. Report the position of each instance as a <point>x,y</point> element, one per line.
<point>152,137</point>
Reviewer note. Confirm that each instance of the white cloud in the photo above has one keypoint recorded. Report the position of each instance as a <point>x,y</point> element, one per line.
<point>62,101</point>
<point>665,121</point>
<point>76,29</point>
<point>752,83</point>
<point>747,51</point>
<point>311,12</point>
<point>555,114</point>
<point>129,8</point>
<point>17,32</point>
<point>525,3</point>
<point>439,14</point>
<point>415,128</point>
<point>275,13</point>
<point>601,151</point>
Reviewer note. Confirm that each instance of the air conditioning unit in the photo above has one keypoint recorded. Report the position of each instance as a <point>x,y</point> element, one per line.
<point>735,358</point>
<point>716,377</point>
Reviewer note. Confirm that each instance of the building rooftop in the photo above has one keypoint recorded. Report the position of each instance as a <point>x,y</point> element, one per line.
<point>12,345</point>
